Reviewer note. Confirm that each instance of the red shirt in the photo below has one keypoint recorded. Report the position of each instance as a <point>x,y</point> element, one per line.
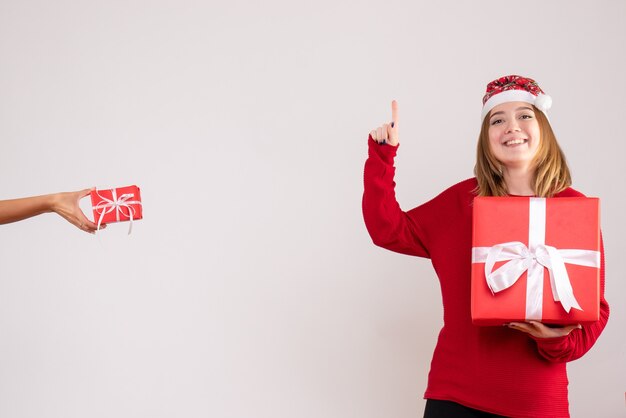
<point>494,369</point>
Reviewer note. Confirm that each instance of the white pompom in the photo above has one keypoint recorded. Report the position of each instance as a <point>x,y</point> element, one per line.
<point>543,102</point>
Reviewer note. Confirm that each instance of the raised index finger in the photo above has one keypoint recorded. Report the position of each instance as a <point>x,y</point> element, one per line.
<point>394,112</point>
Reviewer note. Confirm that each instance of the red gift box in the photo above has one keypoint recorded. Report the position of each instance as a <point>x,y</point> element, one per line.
<point>535,259</point>
<point>116,205</point>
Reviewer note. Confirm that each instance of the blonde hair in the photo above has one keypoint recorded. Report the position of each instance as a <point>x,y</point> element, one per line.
<point>551,174</point>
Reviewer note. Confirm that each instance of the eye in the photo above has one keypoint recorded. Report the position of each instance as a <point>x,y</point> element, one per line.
<point>526,116</point>
<point>495,122</point>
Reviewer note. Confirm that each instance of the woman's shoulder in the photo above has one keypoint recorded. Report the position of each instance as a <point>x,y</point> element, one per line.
<point>570,192</point>
<point>464,190</point>
<point>459,195</point>
<point>466,186</point>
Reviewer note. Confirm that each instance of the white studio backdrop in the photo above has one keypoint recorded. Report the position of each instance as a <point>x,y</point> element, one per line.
<point>251,288</point>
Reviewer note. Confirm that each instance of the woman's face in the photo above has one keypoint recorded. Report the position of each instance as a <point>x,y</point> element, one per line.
<point>514,134</point>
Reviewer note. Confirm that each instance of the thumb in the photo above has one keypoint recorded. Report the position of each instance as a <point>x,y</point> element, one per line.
<point>85,192</point>
<point>573,327</point>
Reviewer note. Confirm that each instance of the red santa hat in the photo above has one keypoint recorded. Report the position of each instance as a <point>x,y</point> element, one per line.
<point>515,88</point>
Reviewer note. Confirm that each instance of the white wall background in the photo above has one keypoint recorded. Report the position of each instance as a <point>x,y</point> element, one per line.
<point>251,288</point>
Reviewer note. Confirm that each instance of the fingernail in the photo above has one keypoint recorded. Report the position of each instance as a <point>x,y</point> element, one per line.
<point>392,123</point>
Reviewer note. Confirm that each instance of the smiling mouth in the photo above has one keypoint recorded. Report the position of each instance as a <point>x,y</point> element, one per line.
<point>517,141</point>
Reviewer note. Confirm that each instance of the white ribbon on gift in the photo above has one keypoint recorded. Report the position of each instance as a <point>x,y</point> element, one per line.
<point>533,259</point>
<point>117,204</point>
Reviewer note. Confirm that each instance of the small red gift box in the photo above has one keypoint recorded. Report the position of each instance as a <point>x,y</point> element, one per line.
<point>535,259</point>
<point>116,205</point>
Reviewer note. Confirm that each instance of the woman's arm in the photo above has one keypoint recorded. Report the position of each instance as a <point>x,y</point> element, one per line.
<point>387,224</point>
<point>64,204</point>
<point>572,342</point>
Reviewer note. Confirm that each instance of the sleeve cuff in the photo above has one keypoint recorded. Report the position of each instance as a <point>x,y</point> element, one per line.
<point>549,341</point>
<point>385,152</point>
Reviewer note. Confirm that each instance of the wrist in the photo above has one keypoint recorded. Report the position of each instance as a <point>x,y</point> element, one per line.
<point>51,202</point>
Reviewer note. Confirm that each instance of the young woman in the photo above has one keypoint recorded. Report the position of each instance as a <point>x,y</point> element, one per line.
<point>514,371</point>
<point>64,204</point>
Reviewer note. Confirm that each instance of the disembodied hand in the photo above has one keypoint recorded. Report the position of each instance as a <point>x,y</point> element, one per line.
<point>388,133</point>
<point>66,205</point>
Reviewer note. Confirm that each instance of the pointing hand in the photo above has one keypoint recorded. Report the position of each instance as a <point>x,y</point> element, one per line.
<point>388,132</point>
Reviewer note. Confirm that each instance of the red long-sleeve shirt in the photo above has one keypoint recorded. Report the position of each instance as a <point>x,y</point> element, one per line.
<point>494,369</point>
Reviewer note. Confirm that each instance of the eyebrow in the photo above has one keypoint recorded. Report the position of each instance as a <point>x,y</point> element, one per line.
<point>519,108</point>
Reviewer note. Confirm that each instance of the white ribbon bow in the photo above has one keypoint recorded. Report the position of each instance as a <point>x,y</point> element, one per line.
<point>118,205</point>
<point>522,258</point>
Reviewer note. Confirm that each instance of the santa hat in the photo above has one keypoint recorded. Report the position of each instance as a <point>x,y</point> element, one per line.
<point>514,88</point>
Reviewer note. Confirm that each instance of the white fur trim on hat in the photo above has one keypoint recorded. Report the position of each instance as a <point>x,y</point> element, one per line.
<point>543,102</point>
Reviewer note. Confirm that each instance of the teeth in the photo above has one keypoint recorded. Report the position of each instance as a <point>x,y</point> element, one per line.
<point>515,141</point>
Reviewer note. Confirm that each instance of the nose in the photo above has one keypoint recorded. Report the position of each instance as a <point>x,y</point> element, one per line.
<point>512,126</point>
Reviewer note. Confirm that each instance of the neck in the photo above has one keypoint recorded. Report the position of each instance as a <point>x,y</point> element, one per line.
<point>518,181</point>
